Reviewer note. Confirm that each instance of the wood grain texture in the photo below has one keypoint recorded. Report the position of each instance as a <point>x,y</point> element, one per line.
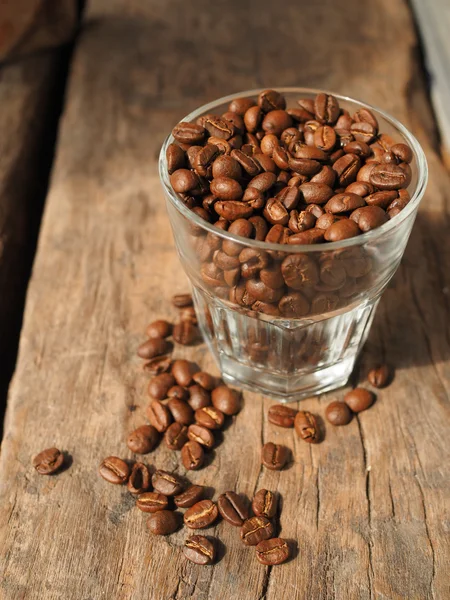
<point>367,508</point>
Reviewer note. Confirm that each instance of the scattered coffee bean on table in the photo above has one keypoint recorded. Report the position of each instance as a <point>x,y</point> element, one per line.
<point>306,427</point>
<point>158,365</point>
<point>272,552</point>
<point>182,300</point>
<point>166,483</point>
<point>274,456</point>
<point>176,436</point>
<point>191,496</point>
<point>192,455</point>
<point>198,397</point>
<point>160,385</point>
<point>199,550</point>
<point>232,508</point>
<point>226,400</point>
<point>159,415</point>
<point>338,413</point>
<point>159,329</point>
<point>264,504</point>
<point>359,399</point>
<point>183,371</point>
<point>256,529</point>
<point>114,470</point>
<point>153,347</point>
<point>163,522</point>
<point>379,377</point>
<point>201,515</point>
<point>143,439</point>
<point>48,461</point>
<point>210,417</point>
<point>139,480</point>
<point>282,415</point>
<point>202,435</point>
<point>152,502</point>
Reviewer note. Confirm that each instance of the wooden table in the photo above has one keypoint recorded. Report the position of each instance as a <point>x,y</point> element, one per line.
<point>369,507</point>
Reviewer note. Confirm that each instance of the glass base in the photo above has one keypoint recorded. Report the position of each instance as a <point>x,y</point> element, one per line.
<point>284,359</point>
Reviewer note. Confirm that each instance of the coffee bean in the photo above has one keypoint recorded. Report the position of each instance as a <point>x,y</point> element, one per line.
<point>159,415</point>
<point>263,182</point>
<point>219,127</point>
<point>182,300</point>
<point>50,460</point>
<point>272,552</point>
<point>316,193</point>
<point>199,550</point>
<point>276,121</point>
<point>252,118</point>
<point>201,515</point>
<point>143,439</point>
<point>163,522</point>
<point>282,415</point>
<point>184,180</point>
<point>241,105</point>
<point>275,212</point>
<point>153,347</point>
<point>304,166</point>
<point>202,435</point>
<point>343,203</point>
<point>179,392</point>
<point>271,100</point>
<point>311,236</point>
<point>176,436</point>
<point>359,148</point>
<point>175,157</point>
<point>158,365</point>
<point>325,138</point>
<point>232,210</point>
<point>402,152</point>
<point>160,385</point>
<point>274,456</point>
<point>294,305</point>
<point>255,530</point>
<point>206,380</point>
<point>269,143</point>
<point>209,417</point>
<point>327,220</point>
<point>306,427</point>
<point>363,131</point>
<point>347,168</point>
<point>166,483</point>
<point>112,469</point>
<point>332,274</point>
<point>139,480</point>
<point>159,329</point>
<point>367,116</point>
<point>264,504</point>
<point>198,397</point>
<point>338,413</point>
<point>278,235</point>
<point>192,455</point>
<point>359,399</point>
<point>226,166</point>
<point>369,217</point>
<point>232,508</point>
<point>326,108</point>
<point>388,177</point>
<point>272,277</point>
<point>342,230</point>
<point>380,376</point>
<point>290,197</point>
<point>299,271</point>
<point>250,166</point>
<point>188,133</point>
<point>182,370</point>
<point>191,496</point>
<point>188,313</point>
<point>185,333</point>
<point>381,199</point>
<point>226,400</point>
<point>326,176</point>
<point>152,502</point>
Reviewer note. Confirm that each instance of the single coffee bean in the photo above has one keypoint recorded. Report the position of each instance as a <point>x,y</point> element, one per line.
<point>175,157</point>
<point>176,436</point>
<point>188,133</point>
<point>50,460</point>
<point>327,220</point>
<point>199,550</point>
<point>260,292</point>
<point>159,415</point>
<point>304,166</point>
<point>210,417</point>
<point>326,108</point>
<point>381,199</point>
<point>274,456</point>
<point>323,303</point>
<point>192,455</point>
<point>342,230</point>
<point>272,552</point>
<point>184,181</point>
<point>226,166</point>
<point>369,217</point>
<point>306,427</point>
<point>232,508</point>
<point>346,168</point>
<point>263,182</point>
<point>160,385</point>
<point>182,300</point>
<point>181,411</point>
<point>191,496</point>
<point>271,100</point>
<point>275,212</point>
<point>299,271</point>
<point>252,261</point>
<point>282,415</point>
<point>272,277</point>
<point>226,188</point>
<point>359,399</point>
<point>379,377</point>
<point>361,188</point>
<point>179,392</point>
<point>204,159</point>
<point>206,380</point>
<point>163,522</point>
<point>325,138</point>
<point>252,118</point>
<point>143,439</point>
<point>388,177</point>
<point>159,329</point>
<point>202,435</point>
<point>166,483</point>
<point>185,333</point>
<point>232,210</point>
<point>226,400</point>
<point>201,515</point>
<point>311,236</point>
<point>338,413</point>
<point>198,397</point>
<point>152,502</point>
<point>269,143</point>
<point>158,365</point>
<point>219,127</point>
<point>241,105</point>
<point>294,305</point>
<point>325,176</point>
<point>402,152</point>
<point>332,274</point>
<point>188,313</point>
<point>139,480</point>
<point>367,116</point>
<point>153,347</point>
<point>316,193</point>
<point>359,148</point>
<point>264,504</point>
<point>363,131</point>
<point>343,203</point>
<point>248,163</point>
<point>255,530</point>
<point>276,121</point>
<point>113,469</point>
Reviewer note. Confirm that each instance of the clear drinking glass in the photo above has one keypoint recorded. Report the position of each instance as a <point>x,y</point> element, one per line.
<point>310,347</point>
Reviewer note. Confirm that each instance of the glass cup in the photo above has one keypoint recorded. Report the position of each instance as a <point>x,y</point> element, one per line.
<point>289,320</point>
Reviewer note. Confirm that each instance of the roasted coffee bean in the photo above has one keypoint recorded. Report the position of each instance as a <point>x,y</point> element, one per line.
<point>143,439</point>
<point>402,152</point>
<point>338,413</point>
<point>304,166</point>
<point>365,171</point>
<point>271,100</point>
<point>204,159</point>
<point>176,436</point>
<point>50,460</point>
<point>252,261</point>
<point>299,222</point>
<point>247,163</point>
<point>175,157</point>
<point>252,118</point>
<point>166,483</point>
<point>341,230</point>
<point>263,182</point>
<point>182,300</point>
<point>185,333</point>
<point>184,180</point>
<point>381,199</point>
<point>294,305</point>
<point>344,203</point>
<point>255,530</point>
<point>160,385</point>
<point>163,522</point>
<point>316,193</point>
<point>278,235</point>
<point>152,348</point>
<point>206,380</point>
<point>369,217</point>
<point>182,370</point>
<point>323,303</point>
<point>201,515</point>
<point>191,496</point>
<point>237,121</point>
<point>379,377</point>
<point>274,456</point>
<point>226,188</point>
<point>326,108</point>
<point>231,210</point>
<point>275,212</point>
<point>188,133</point>
<point>272,277</point>
<point>158,365</point>
<point>325,176</point>
<point>178,392</point>
<point>367,116</point>
<point>232,508</point>
<point>264,504</point>
<point>280,157</point>
<point>210,417</point>
<point>359,399</point>
<point>241,105</point>
<point>267,309</point>
<point>202,435</point>
<point>226,400</point>
<point>272,552</point>
<point>212,275</point>
<point>152,502</point>
<point>359,148</point>
<point>388,177</point>
<point>332,273</point>
<point>327,220</point>
<point>159,415</point>
<point>188,313</point>
<point>219,127</point>
<point>310,236</point>
<point>363,131</point>
<point>361,188</point>
<point>226,166</point>
<point>282,415</point>
<point>306,427</point>
<point>181,411</point>
<point>199,397</point>
<point>139,480</point>
<point>269,143</point>
<point>299,271</point>
<point>347,168</point>
<point>192,455</point>
<point>276,121</point>
<point>159,329</point>
<point>289,196</point>
<point>199,550</point>
<point>112,469</point>
<point>325,138</point>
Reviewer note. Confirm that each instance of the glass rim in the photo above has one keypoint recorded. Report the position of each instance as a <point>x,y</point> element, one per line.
<point>369,236</point>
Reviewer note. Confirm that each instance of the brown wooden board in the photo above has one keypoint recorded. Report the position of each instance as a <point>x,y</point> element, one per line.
<point>367,508</point>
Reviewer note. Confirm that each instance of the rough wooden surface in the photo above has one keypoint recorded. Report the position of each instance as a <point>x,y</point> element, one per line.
<point>367,508</point>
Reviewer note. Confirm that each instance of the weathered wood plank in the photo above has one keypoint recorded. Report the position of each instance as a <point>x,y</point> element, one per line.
<point>366,507</point>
